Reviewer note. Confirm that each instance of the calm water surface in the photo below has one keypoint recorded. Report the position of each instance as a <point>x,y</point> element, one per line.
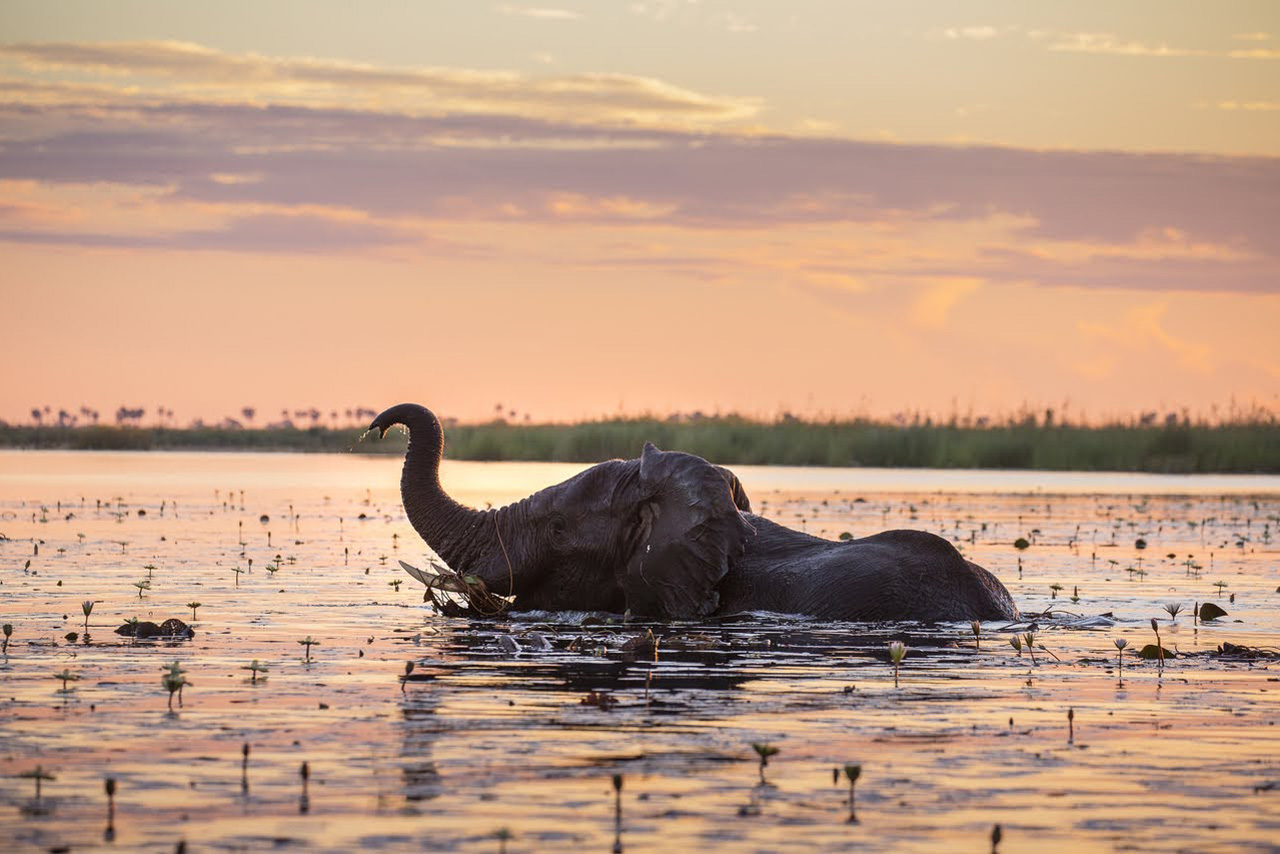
<point>493,733</point>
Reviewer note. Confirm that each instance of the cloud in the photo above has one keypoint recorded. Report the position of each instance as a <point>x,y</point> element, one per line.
<point>542,14</point>
<point>392,166</point>
<point>931,307</point>
<point>1071,218</point>
<point>180,70</point>
<point>1254,53</point>
<point>1113,45</point>
<point>982,32</point>
<point>1110,43</point>
<point>1142,329</point>
<point>261,233</point>
<point>1250,106</point>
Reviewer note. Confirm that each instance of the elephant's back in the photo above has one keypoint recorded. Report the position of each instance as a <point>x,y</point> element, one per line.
<point>924,577</point>
<point>894,575</point>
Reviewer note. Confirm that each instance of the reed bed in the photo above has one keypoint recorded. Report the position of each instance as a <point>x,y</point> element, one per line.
<point>1247,447</point>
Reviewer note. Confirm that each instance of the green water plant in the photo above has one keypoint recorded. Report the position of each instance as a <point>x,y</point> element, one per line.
<point>976,628</point>
<point>1071,726</point>
<point>408,669</point>
<point>617,814</point>
<point>897,652</point>
<point>764,750</point>
<point>109,786</point>
<point>309,642</point>
<point>144,584</point>
<point>39,775</point>
<point>996,836</point>
<point>1173,608</point>
<point>174,680</point>
<point>66,676</point>
<point>87,607</point>
<point>304,802</point>
<point>254,668</point>
<point>193,606</point>
<point>1016,642</point>
<point>1030,640</point>
<point>7,630</point>
<point>1155,627</point>
<point>852,771</point>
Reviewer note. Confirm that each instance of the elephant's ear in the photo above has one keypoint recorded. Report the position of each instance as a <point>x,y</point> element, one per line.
<point>689,532</point>
<point>740,499</point>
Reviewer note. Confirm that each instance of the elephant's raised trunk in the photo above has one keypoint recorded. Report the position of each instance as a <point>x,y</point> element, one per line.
<point>459,534</point>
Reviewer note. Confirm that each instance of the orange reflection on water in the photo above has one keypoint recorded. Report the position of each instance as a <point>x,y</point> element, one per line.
<point>482,739</point>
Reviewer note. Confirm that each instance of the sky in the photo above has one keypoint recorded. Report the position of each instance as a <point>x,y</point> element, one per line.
<point>573,210</point>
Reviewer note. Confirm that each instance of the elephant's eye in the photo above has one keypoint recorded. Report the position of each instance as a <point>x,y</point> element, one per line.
<point>557,528</point>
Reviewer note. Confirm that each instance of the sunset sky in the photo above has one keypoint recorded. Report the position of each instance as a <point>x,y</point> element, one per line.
<point>583,208</point>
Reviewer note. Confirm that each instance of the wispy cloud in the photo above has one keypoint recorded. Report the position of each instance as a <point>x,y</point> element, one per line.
<point>1143,328</point>
<point>183,70</point>
<point>979,32</point>
<point>933,305</point>
<point>540,13</point>
<point>1114,45</point>
<point>1254,53</point>
<point>1250,106</point>
<point>1110,43</point>
<point>260,233</point>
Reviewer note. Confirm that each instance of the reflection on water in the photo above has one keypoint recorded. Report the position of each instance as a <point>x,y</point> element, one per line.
<point>512,731</point>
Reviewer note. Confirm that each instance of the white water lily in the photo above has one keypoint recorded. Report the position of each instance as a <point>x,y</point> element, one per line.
<point>897,652</point>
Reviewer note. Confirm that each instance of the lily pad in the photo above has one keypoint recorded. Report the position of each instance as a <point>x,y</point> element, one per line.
<point>1021,543</point>
<point>1210,611</point>
<point>1151,651</point>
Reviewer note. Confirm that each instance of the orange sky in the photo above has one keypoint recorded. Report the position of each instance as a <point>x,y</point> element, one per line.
<point>579,209</point>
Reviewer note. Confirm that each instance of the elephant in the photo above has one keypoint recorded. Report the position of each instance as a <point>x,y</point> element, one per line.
<point>670,536</point>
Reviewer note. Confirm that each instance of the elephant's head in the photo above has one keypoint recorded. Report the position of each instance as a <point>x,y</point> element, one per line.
<point>654,535</point>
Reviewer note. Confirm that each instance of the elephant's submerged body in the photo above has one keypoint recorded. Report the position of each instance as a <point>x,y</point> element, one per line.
<point>895,575</point>
<point>671,536</point>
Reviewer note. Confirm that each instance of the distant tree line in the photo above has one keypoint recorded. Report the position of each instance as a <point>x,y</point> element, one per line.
<point>1175,445</point>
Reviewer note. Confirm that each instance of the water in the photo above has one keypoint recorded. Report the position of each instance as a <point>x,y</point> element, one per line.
<point>490,734</point>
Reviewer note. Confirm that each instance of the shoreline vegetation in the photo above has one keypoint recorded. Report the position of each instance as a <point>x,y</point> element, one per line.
<point>1248,447</point>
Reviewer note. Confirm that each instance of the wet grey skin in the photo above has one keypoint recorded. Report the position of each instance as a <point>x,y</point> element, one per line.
<point>670,536</point>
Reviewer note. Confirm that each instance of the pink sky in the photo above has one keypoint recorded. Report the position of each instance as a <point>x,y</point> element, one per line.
<point>579,210</point>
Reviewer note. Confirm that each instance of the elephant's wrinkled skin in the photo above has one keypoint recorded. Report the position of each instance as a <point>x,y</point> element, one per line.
<point>671,536</point>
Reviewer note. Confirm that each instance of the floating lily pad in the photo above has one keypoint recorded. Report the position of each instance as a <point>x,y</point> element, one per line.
<point>1210,611</point>
<point>1021,543</point>
<point>1151,651</point>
